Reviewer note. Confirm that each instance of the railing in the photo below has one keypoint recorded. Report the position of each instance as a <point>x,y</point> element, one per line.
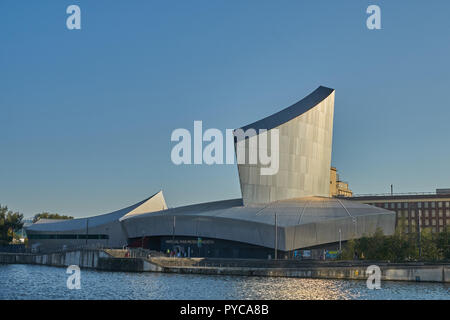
<point>93,246</point>
<point>396,194</point>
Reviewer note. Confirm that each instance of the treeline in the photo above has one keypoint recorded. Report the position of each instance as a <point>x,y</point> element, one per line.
<point>47,215</point>
<point>9,223</point>
<point>400,247</point>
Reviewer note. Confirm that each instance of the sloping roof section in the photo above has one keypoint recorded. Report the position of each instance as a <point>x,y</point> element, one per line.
<point>155,202</point>
<point>40,221</point>
<point>299,147</point>
<point>289,113</point>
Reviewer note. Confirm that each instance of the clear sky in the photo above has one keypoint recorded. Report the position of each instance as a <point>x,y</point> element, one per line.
<point>86,115</point>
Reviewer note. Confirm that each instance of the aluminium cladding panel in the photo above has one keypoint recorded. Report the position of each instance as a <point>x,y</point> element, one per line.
<point>324,232</point>
<point>304,158</point>
<point>116,237</point>
<point>251,232</point>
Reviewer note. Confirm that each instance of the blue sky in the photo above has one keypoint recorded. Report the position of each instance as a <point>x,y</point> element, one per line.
<point>87,114</point>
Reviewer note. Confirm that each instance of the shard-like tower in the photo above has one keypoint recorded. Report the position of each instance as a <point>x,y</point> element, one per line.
<point>305,132</point>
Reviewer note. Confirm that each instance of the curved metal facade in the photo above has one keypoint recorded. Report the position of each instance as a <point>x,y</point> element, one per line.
<point>301,222</point>
<point>305,139</point>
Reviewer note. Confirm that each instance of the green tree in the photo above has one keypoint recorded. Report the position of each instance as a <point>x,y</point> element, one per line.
<point>430,251</point>
<point>348,250</point>
<point>47,215</point>
<point>372,248</point>
<point>9,223</point>
<point>400,246</point>
<point>443,243</point>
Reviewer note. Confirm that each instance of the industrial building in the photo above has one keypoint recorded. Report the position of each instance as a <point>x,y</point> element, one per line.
<point>431,210</point>
<point>338,188</point>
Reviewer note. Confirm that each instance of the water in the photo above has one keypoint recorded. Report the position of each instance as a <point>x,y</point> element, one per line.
<point>42,282</point>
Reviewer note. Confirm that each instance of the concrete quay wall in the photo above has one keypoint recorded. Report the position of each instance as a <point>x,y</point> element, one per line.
<point>81,258</point>
<point>405,273</point>
<point>104,260</point>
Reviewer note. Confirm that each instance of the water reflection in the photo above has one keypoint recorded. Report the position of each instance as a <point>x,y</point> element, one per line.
<point>41,282</point>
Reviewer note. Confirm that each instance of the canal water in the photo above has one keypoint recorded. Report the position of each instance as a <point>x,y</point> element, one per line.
<point>42,282</point>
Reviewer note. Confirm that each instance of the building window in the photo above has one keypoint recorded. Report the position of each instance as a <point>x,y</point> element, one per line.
<point>434,222</point>
<point>433,213</point>
<point>433,204</point>
<point>386,205</point>
<point>441,222</point>
<point>426,204</point>
<point>441,213</point>
<point>399,205</point>
<point>440,204</point>
<point>392,205</point>
<point>447,204</point>
<point>419,204</point>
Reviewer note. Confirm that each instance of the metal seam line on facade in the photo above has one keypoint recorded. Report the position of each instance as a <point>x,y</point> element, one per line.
<point>262,209</point>
<point>299,220</point>
<point>345,208</point>
<point>303,212</point>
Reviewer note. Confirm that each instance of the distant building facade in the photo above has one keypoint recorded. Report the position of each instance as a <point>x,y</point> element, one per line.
<point>338,188</point>
<point>431,210</point>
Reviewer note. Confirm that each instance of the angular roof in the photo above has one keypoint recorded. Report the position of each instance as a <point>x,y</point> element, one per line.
<point>40,221</point>
<point>289,212</point>
<point>289,113</point>
<point>155,202</point>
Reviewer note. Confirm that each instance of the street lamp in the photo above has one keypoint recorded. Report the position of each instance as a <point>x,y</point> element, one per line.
<point>419,223</point>
<point>107,238</point>
<point>173,233</point>
<point>276,237</point>
<point>340,240</point>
